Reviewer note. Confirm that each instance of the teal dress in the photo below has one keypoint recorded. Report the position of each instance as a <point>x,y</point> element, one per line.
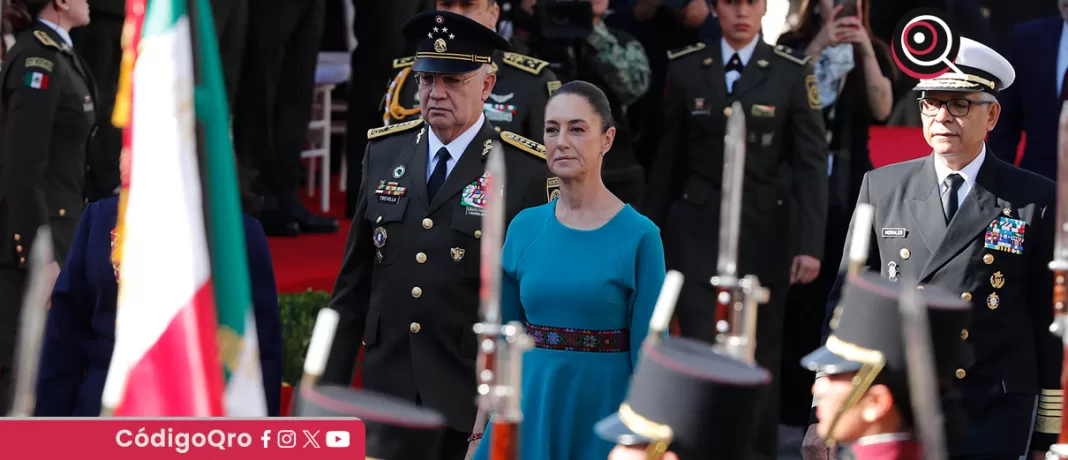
<point>586,297</point>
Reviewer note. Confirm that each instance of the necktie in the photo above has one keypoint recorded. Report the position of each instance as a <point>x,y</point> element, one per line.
<point>734,64</point>
<point>949,198</point>
<point>438,176</point>
<point>1064,86</point>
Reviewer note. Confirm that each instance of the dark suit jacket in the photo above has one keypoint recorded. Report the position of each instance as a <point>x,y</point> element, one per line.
<point>47,115</point>
<point>409,283</point>
<point>1032,103</point>
<point>1008,353</point>
<point>80,333</point>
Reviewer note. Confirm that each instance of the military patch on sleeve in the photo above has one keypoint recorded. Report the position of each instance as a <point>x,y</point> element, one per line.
<point>672,55</point>
<point>787,53</point>
<point>46,40</point>
<point>525,63</point>
<point>403,62</point>
<point>552,188</point>
<point>393,129</point>
<point>553,86</point>
<point>40,63</point>
<point>813,92</point>
<point>36,80</point>
<point>524,144</point>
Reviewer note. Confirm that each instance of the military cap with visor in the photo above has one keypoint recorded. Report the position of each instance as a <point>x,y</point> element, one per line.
<point>449,43</point>
<point>981,69</point>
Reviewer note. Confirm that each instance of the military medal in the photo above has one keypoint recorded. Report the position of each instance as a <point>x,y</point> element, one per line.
<point>380,237</point>
<point>1005,234</point>
<point>891,269</point>
<point>457,254</point>
<point>473,197</point>
<point>997,280</point>
<point>391,192</point>
<point>992,301</point>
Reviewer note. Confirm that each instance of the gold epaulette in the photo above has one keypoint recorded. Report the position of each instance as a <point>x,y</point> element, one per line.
<point>46,40</point>
<point>786,53</point>
<point>672,55</point>
<point>524,144</point>
<point>1050,405</point>
<point>393,129</point>
<point>403,62</point>
<point>525,63</point>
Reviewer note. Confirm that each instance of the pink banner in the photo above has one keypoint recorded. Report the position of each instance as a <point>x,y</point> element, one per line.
<point>186,438</point>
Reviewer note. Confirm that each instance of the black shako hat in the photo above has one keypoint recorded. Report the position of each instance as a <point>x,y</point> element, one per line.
<point>338,401</point>
<point>447,42</point>
<point>687,398</point>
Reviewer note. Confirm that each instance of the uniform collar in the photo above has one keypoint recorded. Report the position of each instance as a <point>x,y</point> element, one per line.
<point>59,31</point>
<point>744,54</point>
<point>968,172</point>
<point>458,145</point>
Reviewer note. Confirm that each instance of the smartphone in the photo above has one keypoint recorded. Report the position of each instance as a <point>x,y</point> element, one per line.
<point>849,8</point>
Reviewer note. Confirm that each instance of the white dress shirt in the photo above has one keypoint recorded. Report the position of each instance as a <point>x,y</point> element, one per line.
<point>744,54</point>
<point>1062,57</point>
<point>969,173</point>
<point>456,147</point>
<point>59,30</point>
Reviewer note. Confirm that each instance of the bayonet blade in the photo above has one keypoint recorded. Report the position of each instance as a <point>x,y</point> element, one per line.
<point>493,235</point>
<point>730,211</point>
<point>919,358</point>
<point>34,317</point>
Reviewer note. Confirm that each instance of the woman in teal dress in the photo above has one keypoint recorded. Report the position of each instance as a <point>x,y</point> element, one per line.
<point>583,272</point>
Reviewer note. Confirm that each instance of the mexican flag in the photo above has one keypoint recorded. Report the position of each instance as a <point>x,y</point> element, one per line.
<point>185,340</point>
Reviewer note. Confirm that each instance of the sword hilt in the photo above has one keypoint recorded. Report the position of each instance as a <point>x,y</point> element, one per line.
<point>737,301</point>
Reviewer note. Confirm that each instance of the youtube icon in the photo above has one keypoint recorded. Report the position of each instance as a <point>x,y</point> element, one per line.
<point>337,439</point>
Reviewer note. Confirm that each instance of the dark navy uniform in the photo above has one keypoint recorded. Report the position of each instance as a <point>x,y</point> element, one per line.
<point>47,113</point>
<point>868,346</point>
<point>994,252</point>
<point>785,174</point>
<point>517,103</point>
<point>409,283</point>
<point>689,399</point>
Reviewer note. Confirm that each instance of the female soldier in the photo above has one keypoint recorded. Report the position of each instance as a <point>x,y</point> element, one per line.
<point>47,116</point>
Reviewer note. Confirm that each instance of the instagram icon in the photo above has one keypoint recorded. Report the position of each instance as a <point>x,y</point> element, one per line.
<point>287,439</point>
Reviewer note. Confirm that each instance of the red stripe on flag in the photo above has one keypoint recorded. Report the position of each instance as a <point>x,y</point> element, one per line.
<point>180,375</point>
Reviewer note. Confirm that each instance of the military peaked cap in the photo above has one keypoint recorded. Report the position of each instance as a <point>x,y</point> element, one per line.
<point>981,69</point>
<point>447,42</point>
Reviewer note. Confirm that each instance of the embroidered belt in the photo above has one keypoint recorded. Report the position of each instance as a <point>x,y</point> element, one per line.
<point>568,339</point>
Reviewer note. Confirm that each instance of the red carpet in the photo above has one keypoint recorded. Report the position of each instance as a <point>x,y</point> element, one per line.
<point>312,261</point>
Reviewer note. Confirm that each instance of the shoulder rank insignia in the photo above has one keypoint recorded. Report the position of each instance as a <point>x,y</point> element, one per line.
<point>672,55</point>
<point>525,63</point>
<point>47,40</point>
<point>524,144</point>
<point>393,129</point>
<point>403,62</point>
<point>787,54</point>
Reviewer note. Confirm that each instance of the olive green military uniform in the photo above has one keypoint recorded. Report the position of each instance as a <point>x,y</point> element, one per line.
<point>100,44</point>
<point>409,283</point>
<point>517,103</point>
<point>785,176</point>
<point>47,114</point>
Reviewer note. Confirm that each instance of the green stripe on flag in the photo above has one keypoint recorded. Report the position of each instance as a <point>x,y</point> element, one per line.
<point>161,16</point>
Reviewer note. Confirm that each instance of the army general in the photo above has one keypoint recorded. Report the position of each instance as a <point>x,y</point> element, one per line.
<point>965,220</point>
<point>409,283</point>
<point>785,175</point>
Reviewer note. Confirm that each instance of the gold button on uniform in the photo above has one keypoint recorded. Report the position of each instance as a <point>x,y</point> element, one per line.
<point>18,237</point>
<point>415,328</point>
<point>960,373</point>
<point>420,257</point>
<point>428,224</point>
<point>22,260</point>
<point>988,259</point>
<point>727,111</point>
<point>62,212</point>
<point>478,234</point>
<point>966,295</point>
<point>964,334</point>
<point>417,292</point>
<point>905,253</point>
<point>18,248</point>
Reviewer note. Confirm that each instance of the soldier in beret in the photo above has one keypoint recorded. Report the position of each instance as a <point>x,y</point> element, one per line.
<point>409,283</point>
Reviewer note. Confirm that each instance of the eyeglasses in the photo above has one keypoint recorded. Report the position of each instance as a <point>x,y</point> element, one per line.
<point>426,80</point>
<point>958,107</point>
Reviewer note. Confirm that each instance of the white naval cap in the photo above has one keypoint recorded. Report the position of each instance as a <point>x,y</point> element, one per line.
<point>982,69</point>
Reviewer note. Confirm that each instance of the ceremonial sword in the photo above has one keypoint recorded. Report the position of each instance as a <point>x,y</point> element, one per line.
<point>501,347</point>
<point>736,299</point>
<point>1059,265</point>
<point>31,329</point>
<point>920,367</point>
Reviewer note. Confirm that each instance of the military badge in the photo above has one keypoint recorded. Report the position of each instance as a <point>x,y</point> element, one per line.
<point>699,107</point>
<point>997,280</point>
<point>992,301</point>
<point>457,254</point>
<point>893,233</point>
<point>813,92</point>
<point>502,113</point>
<point>891,271</point>
<point>486,147</point>
<point>398,172</point>
<point>552,188</point>
<point>763,110</point>
<point>390,192</point>
<point>553,86</point>
<point>1006,234</point>
<point>40,63</point>
<point>379,237</point>
<point>473,197</point>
